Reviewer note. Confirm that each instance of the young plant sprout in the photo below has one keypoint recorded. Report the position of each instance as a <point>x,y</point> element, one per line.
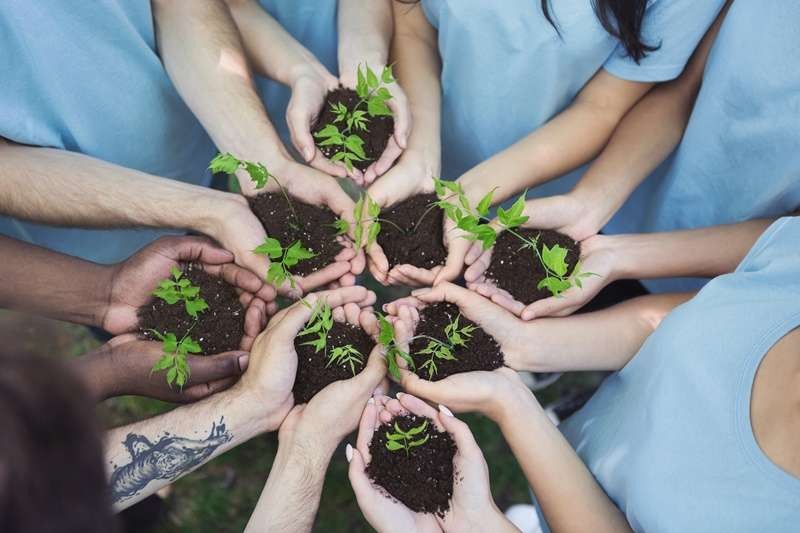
<point>319,325</point>
<point>404,440</point>
<point>372,221</point>
<point>373,96</point>
<point>178,288</point>
<point>386,338</point>
<point>440,350</point>
<point>476,224</point>
<point>173,360</point>
<point>281,259</point>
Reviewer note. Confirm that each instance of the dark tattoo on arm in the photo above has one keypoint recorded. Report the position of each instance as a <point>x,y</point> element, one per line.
<point>169,458</point>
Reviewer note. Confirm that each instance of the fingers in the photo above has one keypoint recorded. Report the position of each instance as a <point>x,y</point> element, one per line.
<point>393,308</point>
<point>414,405</point>
<point>362,487</point>
<point>465,441</point>
<point>292,319</point>
<point>479,264</point>
<point>212,368</point>
<point>373,372</point>
<point>204,390</point>
<point>243,279</point>
<point>199,249</point>
<point>498,296</point>
<point>330,273</point>
<point>412,276</point>
<point>384,162</point>
<point>561,306</point>
<point>456,251</point>
<point>402,118</point>
<point>368,322</point>
<point>366,428</point>
<point>255,319</point>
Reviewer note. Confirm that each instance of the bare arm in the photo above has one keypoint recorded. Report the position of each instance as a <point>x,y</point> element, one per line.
<point>200,46</point>
<point>569,140</point>
<point>365,33</point>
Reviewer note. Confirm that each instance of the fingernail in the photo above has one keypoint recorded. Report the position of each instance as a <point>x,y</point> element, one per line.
<point>420,292</point>
<point>399,395</point>
<point>384,307</point>
<point>371,400</point>
<point>244,360</point>
<point>308,154</point>
<point>445,411</point>
<point>348,452</point>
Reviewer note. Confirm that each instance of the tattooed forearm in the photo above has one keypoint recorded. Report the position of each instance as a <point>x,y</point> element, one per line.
<point>169,458</point>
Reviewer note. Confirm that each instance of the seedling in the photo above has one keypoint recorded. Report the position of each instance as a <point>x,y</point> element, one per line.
<point>438,350</point>
<point>373,96</point>
<point>320,324</point>
<point>372,221</point>
<point>173,360</point>
<point>476,224</point>
<point>178,288</point>
<point>386,338</point>
<point>404,440</point>
<point>282,259</point>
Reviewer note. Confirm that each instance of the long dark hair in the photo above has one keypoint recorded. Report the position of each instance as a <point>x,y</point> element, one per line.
<point>620,18</point>
<point>51,455</point>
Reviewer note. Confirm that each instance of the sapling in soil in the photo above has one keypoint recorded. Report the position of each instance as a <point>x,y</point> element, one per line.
<point>302,237</point>
<point>387,339</point>
<point>173,360</point>
<point>354,127</point>
<point>551,260</point>
<point>327,351</point>
<point>413,462</point>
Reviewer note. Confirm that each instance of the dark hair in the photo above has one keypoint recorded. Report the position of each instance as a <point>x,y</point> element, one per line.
<point>51,456</point>
<point>622,19</point>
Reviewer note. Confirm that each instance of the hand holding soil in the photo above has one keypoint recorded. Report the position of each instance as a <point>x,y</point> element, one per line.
<point>124,365</point>
<point>133,280</point>
<point>418,469</point>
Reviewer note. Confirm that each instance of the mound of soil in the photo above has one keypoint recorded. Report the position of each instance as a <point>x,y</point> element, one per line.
<point>379,129</point>
<point>313,371</point>
<point>482,352</point>
<point>218,329</point>
<point>422,479</point>
<point>422,247</point>
<point>518,271</point>
<point>311,225</point>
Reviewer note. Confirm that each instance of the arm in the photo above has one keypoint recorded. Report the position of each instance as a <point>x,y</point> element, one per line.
<point>365,32</point>
<point>201,50</point>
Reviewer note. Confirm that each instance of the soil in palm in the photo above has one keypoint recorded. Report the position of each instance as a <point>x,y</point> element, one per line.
<point>412,233</point>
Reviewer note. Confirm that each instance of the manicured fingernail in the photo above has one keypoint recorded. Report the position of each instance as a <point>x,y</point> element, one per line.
<point>371,400</point>
<point>399,395</point>
<point>385,307</point>
<point>244,359</point>
<point>348,452</point>
<point>445,411</point>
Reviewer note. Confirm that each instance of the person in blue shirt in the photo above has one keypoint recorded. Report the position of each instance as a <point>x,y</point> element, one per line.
<point>718,145</point>
<point>522,92</point>
<point>111,120</point>
<point>697,428</point>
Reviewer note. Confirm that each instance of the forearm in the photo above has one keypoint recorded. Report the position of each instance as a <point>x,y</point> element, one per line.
<point>63,188</point>
<point>292,493</point>
<point>145,456</point>
<point>272,52</point>
<point>567,493</point>
<point>601,340</point>
<point>365,31</point>
<point>201,50</point>
<point>705,252</point>
<point>38,281</point>
<point>418,67</point>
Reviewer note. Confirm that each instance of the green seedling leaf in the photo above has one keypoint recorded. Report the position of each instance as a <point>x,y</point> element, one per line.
<point>193,307</point>
<point>485,204</point>
<point>271,248</point>
<point>554,259</point>
<point>224,164</point>
<point>394,446</point>
<point>387,76</point>
<point>372,79</point>
<point>374,231</point>
<point>555,285</point>
<point>341,226</point>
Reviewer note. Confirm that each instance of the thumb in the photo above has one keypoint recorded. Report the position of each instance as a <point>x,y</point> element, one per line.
<point>474,306</point>
<point>298,118</point>
<point>465,441</point>
<point>456,252</point>
<point>373,372</point>
<point>205,369</point>
<point>362,487</point>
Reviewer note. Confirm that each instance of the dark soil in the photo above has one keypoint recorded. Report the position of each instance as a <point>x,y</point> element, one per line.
<point>312,225</point>
<point>518,271</point>
<point>379,129</point>
<point>312,373</point>
<point>219,328</point>
<point>422,480</point>
<point>423,248</point>
<point>481,352</point>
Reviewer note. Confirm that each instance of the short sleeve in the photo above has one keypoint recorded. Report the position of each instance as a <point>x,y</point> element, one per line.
<point>675,27</point>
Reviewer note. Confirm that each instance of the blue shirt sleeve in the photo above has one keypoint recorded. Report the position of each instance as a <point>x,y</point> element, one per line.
<point>675,26</point>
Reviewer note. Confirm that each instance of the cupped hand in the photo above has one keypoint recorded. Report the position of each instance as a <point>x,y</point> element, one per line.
<point>597,260</point>
<point>471,507</point>
<point>309,88</point>
<point>273,359</point>
<point>132,282</point>
<point>124,365</point>
<point>411,176</point>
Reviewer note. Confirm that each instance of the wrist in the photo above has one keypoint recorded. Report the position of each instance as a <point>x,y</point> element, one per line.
<point>349,62</point>
<point>512,405</point>
<point>212,215</point>
<point>597,206</point>
<point>616,250</point>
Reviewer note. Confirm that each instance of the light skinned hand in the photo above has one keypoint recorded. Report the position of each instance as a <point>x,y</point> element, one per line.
<point>123,366</point>
<point>273,359</point>
<point>471,508</point>
<point>134,280</point>
<point>597,258</point>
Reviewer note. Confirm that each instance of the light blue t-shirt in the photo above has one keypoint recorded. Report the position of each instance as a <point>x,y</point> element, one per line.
<point>740,156</point>
<point>669,436</point>
<point>505,70</point>
<point>86,77</point>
